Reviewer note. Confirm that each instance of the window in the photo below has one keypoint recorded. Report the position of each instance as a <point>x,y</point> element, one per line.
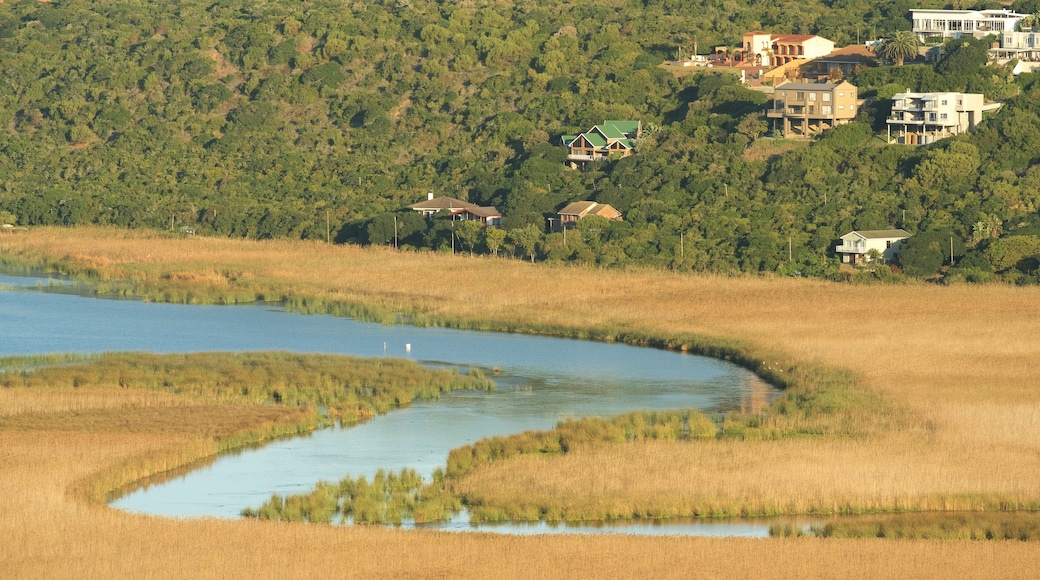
<point>841,93</point>
<point>841,107</point>
<point>827,110</point>
<point>888,244</point>
<point>826,97</point>
<point>783,93</point>
<point>812,97</point>
<point>800,96</point>
<point>943,102</point>
<point>931,117</point>
<point>943,116</point>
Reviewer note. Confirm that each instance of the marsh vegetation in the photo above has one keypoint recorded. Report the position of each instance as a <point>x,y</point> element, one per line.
<point>925,401</point>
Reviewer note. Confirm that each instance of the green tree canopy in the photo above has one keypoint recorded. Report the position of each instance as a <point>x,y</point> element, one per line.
<point>898,46</point>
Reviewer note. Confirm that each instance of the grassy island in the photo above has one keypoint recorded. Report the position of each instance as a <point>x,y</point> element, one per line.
<point>905,398</point>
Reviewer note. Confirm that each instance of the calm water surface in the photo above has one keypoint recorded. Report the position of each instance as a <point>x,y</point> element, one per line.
<point>541,380</point>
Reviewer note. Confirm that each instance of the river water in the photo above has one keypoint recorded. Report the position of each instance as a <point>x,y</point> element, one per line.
<point>540,380</point>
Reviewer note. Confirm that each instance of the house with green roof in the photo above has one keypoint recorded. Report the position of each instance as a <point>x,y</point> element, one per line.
<point>609,139</point>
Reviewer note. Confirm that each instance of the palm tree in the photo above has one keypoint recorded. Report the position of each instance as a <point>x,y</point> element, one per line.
<point>896,47</point>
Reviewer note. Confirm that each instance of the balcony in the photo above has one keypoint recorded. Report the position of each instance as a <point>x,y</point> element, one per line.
<point>851,249</point>
<point>906,119</point>
<point>577,157</point>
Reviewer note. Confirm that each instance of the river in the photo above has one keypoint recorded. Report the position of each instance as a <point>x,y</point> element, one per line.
<point>540,380</point>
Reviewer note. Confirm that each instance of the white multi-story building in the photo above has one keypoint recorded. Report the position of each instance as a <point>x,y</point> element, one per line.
<point>859,247</point>
<point>1021,45</point>
<point>957,23</point>
<point>921,118</point>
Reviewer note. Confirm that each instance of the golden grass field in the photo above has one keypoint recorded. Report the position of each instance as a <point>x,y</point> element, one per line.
<point>956,368</point>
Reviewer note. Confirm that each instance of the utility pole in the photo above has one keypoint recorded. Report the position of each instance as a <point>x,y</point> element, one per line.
<point>395,231</point>
<point>682,247</point>
<point>789,248</point>
<point>951,251</point>
<point>328,230</point>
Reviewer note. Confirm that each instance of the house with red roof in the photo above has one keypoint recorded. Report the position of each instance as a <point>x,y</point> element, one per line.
<point>769,50</point>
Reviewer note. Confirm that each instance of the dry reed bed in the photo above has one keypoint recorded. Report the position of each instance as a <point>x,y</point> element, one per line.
<point>960,360</point>
<point>46,535</point>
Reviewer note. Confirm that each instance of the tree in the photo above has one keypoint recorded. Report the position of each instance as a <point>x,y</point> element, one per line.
<point>493,238</point>
<point>468,232</point>
<point>527,238</point>
<point>1008,252</point>
<point>381,229</point>
<point>898,46</point>
<point>920,260</point>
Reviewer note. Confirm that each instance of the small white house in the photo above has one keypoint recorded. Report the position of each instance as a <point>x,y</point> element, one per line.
<point>856,246</point>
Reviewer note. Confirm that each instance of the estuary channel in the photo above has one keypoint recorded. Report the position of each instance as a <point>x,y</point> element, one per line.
<point>540,381</point>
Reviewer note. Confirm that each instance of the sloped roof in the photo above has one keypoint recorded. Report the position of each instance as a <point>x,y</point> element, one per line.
<point>609,131</point>
<point>880,234</point>
<point>595,139</point>
<point>482,211</point>
<point>853,53</point>
<point>578,208</point>
<point>623,125</point>
<point>606,210</point>
<point>584,208</point>
<point>443,202</point>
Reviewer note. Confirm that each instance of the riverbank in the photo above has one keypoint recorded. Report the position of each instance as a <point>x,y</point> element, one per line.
<point>953,368</point>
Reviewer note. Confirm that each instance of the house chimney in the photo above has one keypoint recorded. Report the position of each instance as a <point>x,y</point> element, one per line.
<point>429,196</point>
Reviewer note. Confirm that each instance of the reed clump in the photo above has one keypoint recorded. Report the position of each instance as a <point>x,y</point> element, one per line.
<point>979,526</point>
<point>348,388</point>
<point>390,498</point>
<point>221,401</point>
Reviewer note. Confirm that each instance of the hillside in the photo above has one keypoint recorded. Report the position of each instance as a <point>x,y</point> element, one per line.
<point>302,120</point>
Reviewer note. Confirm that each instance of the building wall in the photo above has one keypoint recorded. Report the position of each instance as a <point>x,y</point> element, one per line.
<point>888,247</point>
<point>923,112</point>
<point>820,100</point>
<point>957,23</point>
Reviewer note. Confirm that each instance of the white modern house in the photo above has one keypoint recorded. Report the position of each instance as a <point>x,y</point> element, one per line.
<point>921,118</point>
<point>856,246</point>
<point>1017,44</point>
<point>958,23</point>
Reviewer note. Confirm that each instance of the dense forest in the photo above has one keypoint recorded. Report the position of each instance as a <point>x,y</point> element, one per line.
<point>325,118</point>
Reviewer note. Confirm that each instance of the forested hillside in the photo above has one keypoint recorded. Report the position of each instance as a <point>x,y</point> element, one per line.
<point>307,119</point>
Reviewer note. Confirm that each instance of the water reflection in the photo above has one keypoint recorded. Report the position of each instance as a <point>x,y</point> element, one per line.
<point>541,380</point>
